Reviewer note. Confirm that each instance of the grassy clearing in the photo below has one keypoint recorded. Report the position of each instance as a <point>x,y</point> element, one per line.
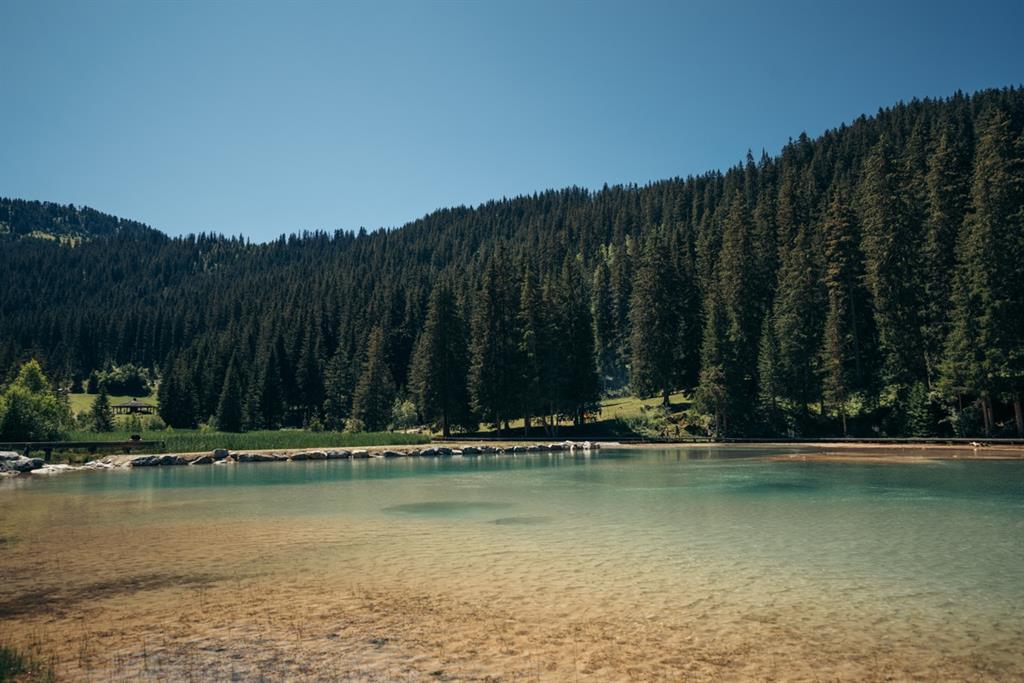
<point>81,403</point>
<point>625,416</point>
<point>193,441</point>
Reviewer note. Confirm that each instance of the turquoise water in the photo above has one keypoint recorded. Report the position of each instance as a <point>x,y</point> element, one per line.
<point>926,557</point>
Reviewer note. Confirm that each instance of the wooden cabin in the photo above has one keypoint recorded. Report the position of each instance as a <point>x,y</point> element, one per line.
<point>134,407</point>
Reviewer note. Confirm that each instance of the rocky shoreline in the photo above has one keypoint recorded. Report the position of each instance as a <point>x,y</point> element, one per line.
<point>13,464</point>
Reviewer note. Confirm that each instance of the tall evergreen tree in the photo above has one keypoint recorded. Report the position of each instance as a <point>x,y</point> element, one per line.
<point>229,408</point>
<point>440,363</point>
<point>375,392</point>
<point>654,318</point>
<point>985,354</point>
<point>101,415</point>
<point>892,268</point>
<point>494,367</point>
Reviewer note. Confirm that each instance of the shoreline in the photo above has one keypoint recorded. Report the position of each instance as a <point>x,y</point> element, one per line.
<point>803,452</point>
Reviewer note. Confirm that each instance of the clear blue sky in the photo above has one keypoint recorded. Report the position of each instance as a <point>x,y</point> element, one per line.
<point>264,118</point>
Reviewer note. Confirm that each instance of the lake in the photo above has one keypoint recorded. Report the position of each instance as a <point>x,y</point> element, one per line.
<point>706,563</point>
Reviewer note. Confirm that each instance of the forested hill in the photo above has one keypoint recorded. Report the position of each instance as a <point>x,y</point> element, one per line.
<point>869,281</point>
<point>46,220</point>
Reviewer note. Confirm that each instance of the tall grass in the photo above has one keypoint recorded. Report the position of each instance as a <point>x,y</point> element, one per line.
<point>193,441</point>
<point>16,665</point>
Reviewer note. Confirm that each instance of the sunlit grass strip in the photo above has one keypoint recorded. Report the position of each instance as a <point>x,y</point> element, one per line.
<point>192,441</point>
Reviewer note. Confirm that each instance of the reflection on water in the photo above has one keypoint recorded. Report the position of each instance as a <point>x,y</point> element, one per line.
<point>791,568</point>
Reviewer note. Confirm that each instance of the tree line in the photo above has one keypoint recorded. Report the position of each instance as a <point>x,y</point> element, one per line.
<point>867,282</point>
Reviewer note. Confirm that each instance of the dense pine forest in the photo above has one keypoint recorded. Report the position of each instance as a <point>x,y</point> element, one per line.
<point>867,282</point>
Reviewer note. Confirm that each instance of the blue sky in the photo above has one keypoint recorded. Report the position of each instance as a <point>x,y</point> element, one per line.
<point>265,118</point>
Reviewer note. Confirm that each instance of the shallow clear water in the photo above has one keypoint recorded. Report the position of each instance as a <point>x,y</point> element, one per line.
<point>924,559</point>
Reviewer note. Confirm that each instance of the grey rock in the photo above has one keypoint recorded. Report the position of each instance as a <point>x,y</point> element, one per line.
<point>203,460</point>
<point>338,455</point>
<point>168,460</point>
<point>9,455</point>
<point>219,453</point>
<point>360,453</point>
<point>429,452</point>
<point>23,464</point>
<point>256,457</point>
<point>444,451</point>
<point>471,450</point>
<point>392,454</point>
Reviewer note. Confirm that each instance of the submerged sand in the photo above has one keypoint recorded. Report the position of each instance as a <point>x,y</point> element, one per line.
<point>251,597</point>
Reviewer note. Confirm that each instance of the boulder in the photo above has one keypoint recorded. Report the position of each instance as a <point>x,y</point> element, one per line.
<point>412,453</point>
<point>471,450</point>
<point>257,457</point>
<point>338,455</point>
<point>168,460</point>
<point>203,460</point>
<point>429,452</point>
<point>360,453</point>
<point>555,447</point>
<point>21,464</point>
<point>392,454</point>
<point>444,451</point>
<point>145,461</point>
<point>10,455</point>
<point>52,469</point>
<point>219,453</point>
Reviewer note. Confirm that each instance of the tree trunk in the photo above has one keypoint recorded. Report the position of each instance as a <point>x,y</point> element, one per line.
<point>1018,414</point>
<point>986,414</point>
<point>446,431</point>
<point>526,423</point>
<point>664,398</point>
<point>842,413</point>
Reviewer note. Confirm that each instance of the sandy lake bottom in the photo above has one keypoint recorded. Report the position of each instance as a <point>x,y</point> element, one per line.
<point>684,564</point>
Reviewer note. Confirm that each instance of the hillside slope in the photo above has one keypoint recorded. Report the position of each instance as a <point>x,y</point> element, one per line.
<point>862,281</point>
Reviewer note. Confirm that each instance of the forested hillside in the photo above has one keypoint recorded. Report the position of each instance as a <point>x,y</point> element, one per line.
<point>870,281</point>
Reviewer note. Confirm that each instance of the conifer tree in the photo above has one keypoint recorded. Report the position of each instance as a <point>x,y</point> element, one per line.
<point>338,386</point>
<point>101,415</point>
<point>375,392</point>
<point>176,395</point>
<point>440,363</point>
<point>892,267</point>
<point>531,345</point>
<point>229,407</point>
<point>738,296</point>
<point>581,390</point>
<point>654,319</point>
<point>494,366</point>
<point>606,336</point>
<point>985,355</point>
<point>840,354</point>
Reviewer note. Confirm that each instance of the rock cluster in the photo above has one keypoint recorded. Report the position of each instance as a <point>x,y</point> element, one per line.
<point>15,463</point>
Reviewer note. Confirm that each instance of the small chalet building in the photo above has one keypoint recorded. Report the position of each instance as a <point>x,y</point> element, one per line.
<point>134,407</point>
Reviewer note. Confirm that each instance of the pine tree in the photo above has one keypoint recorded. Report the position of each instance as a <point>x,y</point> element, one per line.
<point>946,199</point>
<point>176,395</point>
<point>338,385</point>
<point>892,271</point>
<point>654,318</point>
<point>439,366</point>
<point>840,353</point>
<point>264,407</point>
<point>738,296</point>
<point>606,335</point>
<point>712,389</point>
<point>101,415</point>
<point>375,392</point>
<point>581,388</point>
<point>796,315</point>
<point>494,367</point>
<point>531,329</point>
<point>984,351</point>
<point>229,407</point>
